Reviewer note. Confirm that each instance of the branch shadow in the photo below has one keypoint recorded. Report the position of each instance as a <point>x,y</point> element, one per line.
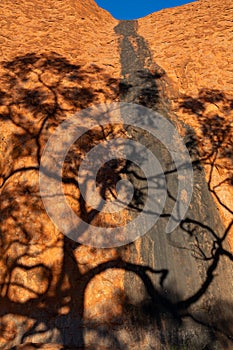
<point>44,275</point>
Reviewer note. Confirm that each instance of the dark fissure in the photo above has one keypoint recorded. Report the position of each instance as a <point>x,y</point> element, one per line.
<point>187,307</point>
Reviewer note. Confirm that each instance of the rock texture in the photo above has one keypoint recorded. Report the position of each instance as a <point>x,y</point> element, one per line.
<point>58,57</point>
<point>192,43</point>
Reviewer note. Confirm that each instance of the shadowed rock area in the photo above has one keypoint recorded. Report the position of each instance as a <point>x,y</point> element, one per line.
<point>164,291</point>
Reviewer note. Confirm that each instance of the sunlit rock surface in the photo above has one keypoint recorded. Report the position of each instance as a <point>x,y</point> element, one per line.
<point>58,57</point>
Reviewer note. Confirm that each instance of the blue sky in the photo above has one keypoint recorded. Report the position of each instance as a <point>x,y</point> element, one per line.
<point>132,9</point>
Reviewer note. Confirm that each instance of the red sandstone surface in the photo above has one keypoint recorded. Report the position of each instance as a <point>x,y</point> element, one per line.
<point>52,52</point>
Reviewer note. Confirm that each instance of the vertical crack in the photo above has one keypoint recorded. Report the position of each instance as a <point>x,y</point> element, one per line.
<point>138,71</point>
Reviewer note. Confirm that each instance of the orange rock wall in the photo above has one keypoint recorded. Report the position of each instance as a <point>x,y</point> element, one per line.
<point>193,44</point>
<point>40,270</point>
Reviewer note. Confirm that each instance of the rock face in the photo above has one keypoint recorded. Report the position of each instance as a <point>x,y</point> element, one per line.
<point>192,43</point>
<point>160,292</point>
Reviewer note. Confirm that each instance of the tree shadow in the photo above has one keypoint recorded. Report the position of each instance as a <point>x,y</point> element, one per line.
<point>212,110</point>
<point>45,276</point>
